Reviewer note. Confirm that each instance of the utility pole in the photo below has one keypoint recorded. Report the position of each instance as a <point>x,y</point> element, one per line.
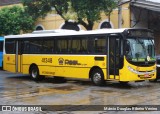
<point>120,14</point>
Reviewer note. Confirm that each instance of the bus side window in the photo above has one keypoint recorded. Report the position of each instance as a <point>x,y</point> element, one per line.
<point>10,47</point>
<point>75,46</point>
<point>48,46</point>
<point>33,46</point>
<point>79,45</point>
<point>64,46</point>
<point>26,47</point>
<point>100,45</point>
<point>84,46</point>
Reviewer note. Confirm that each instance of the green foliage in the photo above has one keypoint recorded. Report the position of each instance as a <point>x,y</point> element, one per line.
<point>40,8</point>
<point>91,10</point>
<point>84,12</point>
<point>13,20</point>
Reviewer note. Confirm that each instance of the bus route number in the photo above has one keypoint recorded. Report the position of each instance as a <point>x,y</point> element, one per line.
<point>47,60</point>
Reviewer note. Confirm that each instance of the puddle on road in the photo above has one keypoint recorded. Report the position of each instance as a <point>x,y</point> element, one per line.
<point>102,91</point>
<point>38,95</point>
<point>68,88</point>
<point>72,93</point>
<point>56,90</point>
<point>57,94</point>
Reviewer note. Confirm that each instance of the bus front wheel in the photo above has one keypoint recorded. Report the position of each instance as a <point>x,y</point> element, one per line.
<point>34,73</point>
<point>97,77</point>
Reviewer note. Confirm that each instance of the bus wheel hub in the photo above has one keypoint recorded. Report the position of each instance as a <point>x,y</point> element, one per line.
<point>34,73</point>
<point>97,77</point>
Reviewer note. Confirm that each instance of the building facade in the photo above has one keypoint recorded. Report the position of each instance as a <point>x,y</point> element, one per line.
<point>54,21</point>
<point>146,14</point>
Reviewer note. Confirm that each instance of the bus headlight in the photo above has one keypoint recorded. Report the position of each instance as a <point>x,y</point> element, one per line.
<point>140,72</point>
<point>132,70</point>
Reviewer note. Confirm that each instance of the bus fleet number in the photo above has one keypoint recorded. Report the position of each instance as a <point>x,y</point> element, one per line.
<point>47,60</point>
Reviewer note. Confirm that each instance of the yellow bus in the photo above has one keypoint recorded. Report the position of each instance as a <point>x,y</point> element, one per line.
<point>107,54</point>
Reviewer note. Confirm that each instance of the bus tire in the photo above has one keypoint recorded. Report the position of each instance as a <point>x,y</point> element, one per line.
<point>34,73</point>
<point>97,77</point>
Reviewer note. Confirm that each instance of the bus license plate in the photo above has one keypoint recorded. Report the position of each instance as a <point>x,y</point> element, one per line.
<point>147,76</point>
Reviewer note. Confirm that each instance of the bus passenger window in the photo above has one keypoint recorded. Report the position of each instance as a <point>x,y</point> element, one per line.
<point>100,45</point>
<point>75,46</point>
<point>84,46</point>
<point>62,46</point>
<point>36,47</point>
<point>80,45</point>
<point>48,47</point>
<point>26,47</point>
<point>10,47</point>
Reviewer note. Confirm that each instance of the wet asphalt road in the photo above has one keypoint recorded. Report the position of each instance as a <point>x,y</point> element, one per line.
<point>18,89</point>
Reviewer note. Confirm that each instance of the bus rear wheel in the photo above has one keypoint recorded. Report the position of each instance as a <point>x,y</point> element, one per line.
<point>34,73</point>
<point>97,77</point>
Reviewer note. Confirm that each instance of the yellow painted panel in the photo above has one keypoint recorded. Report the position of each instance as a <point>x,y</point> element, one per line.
<point>127,75</point>
<point>9,62</point>
<point>63,65</point>
<point>25,69</point>
<point>75,66</point>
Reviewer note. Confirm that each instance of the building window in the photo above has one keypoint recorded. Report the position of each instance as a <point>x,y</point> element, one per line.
<point>70,26</point>
<point>39,27</point>
<point>106,24</point>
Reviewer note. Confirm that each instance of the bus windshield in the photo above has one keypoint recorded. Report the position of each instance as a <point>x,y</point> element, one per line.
<point>140,50</point>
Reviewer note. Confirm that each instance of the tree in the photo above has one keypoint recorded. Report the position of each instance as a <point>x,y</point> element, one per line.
<point>13,20</point>
<point>84,12</point>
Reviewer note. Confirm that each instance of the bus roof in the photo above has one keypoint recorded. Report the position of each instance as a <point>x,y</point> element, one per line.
<point>67,33</point>
<point>52,31</point>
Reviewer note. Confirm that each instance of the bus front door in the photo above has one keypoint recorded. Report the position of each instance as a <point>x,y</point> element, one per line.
<point>114,47</point>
